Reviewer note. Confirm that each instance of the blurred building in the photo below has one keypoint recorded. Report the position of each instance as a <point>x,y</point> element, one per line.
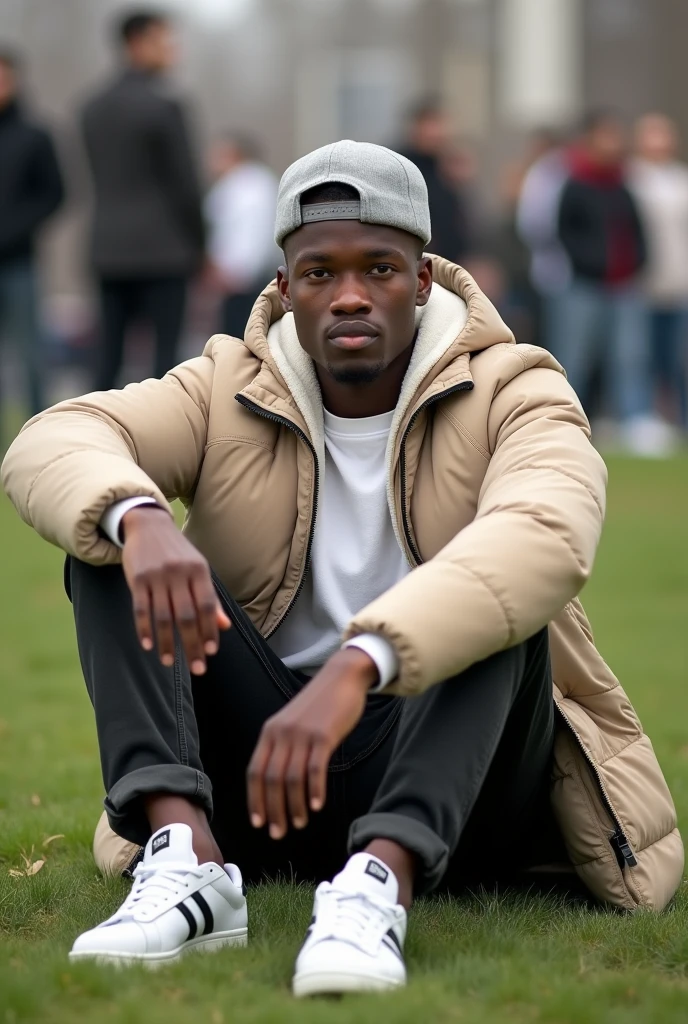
<point>300,73</point>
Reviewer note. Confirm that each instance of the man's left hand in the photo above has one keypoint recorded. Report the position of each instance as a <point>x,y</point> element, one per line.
<point>288,771</point>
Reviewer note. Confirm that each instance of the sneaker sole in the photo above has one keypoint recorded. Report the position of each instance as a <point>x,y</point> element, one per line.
<point>321,983</point>
<point>204,944</point>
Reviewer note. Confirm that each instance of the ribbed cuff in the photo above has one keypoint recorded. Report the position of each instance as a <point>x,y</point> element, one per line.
<point>382,653</point>
<point>111,520</point>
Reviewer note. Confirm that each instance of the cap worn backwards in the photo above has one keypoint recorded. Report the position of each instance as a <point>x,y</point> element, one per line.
<point>392,190</point>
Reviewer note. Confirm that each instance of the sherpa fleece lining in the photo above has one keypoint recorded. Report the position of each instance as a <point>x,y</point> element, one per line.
<point>439,323</point>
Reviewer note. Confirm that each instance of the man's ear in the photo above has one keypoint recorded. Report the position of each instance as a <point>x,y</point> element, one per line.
<point>424,280</point>
<point>283,288</point>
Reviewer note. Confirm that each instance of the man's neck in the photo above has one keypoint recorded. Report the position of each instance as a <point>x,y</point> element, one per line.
<point>354,401</point>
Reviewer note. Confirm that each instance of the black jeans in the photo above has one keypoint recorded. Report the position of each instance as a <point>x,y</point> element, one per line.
<point>458,775</point>
<point>160,300</point>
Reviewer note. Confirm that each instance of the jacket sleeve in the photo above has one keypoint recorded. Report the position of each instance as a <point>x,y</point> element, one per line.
<point>70,463</point>
<point>179,175</point>
<point>638,232</point>
<point>579,234</point>
<point>43,194</point>
<point>527,553</point>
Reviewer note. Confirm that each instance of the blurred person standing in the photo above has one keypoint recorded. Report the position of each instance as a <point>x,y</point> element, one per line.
<point>240,213</point>
<point>604,317</point>
<point>30,190</point>
<point>536,223</point>
<point>148,231</point>
<point>660,183</point>
<point>428,146</point>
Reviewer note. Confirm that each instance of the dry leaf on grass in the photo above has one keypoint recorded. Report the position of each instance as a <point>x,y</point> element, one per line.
<point>34,868</point>
<point>51,839</point>
<point>35,800</point>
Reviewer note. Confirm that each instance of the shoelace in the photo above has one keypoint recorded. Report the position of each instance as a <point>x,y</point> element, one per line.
<point>154,886</point>
<point>355,917</point>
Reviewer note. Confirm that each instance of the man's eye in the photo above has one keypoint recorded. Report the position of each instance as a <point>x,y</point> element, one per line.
<point>382,269</point>
<point>319,273</point>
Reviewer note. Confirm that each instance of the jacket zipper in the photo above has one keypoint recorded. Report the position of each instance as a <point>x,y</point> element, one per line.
<point>467,385</point>
<point>619,839</point>
<point>284,422</point>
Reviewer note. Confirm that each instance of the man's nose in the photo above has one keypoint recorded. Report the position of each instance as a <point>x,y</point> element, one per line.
<point>351,297</point>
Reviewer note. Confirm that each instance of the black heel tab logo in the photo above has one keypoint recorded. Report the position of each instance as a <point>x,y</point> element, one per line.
<point>161,842</point>
<point>377,871</point>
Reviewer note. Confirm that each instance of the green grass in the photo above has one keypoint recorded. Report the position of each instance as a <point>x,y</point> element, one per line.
<point>510,959</point>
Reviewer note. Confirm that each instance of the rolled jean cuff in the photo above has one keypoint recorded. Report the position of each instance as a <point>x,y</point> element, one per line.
<point>432,852</point>
<point>125,809</point>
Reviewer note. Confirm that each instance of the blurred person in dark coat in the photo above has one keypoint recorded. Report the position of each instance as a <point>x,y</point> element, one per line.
<point>30,190</point>
<point>240,211</point>
<point>428,144</point>
<point>148,231</point>
<point>604,311</point>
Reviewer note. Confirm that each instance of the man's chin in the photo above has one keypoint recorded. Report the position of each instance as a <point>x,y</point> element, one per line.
<point>355,374</point>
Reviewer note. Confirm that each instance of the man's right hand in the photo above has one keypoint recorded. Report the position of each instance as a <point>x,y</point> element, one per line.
<point>171,585</point>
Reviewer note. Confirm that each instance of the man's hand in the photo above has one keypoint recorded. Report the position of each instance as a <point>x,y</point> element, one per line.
<point>288,770</point>
<point>171,585</point>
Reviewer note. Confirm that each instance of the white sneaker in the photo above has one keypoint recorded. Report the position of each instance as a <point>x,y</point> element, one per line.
<point>356,938</point>
<point>175,905</point>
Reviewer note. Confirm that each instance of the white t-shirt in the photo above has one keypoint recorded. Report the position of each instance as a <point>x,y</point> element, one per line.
<point>355,555</point>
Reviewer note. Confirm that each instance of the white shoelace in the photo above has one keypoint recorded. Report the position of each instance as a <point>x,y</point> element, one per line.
<point>155,886</point>
<point>354,917</point>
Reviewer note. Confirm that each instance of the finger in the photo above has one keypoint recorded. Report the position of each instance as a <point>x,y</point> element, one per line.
<point>318,760</point>
<point>255,781</point>
<point>162,621</point>
<point>141,600</point>
<point>186,619</point>
<point>275,802</point>
<point>205,601</point>
<point>296,781</point>
<point>223,620</point>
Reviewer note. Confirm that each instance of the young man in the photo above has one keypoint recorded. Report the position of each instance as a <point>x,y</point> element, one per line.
<point>30,191</point>
<point>378,459</point>
<point>148,232</point>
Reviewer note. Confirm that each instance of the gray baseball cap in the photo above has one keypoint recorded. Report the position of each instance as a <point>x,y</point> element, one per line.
<point>392,190</point>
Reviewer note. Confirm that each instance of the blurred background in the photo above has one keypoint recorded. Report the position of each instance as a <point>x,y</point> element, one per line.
<point>139,161</point>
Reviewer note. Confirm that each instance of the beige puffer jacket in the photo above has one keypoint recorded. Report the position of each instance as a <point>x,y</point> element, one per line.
<point>496,494</point>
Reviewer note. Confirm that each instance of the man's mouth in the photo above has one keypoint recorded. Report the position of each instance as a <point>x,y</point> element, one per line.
<point>352,335</point>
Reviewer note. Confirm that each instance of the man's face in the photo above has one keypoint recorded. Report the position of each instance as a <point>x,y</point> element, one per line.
<point>155,49</point>
<point>8,84</point>
<point>607,142</point>
<point>353,289</point>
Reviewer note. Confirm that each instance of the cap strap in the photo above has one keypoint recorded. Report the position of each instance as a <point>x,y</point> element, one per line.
<point>330,211</point>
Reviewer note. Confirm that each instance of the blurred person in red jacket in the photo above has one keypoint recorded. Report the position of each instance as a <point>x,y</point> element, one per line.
<point>604,317</point>
<point>30,190</point>
<point>660,184</point>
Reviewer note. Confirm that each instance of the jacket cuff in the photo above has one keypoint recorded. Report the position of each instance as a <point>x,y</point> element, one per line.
<point>382,653</point>
<point>111,520</point>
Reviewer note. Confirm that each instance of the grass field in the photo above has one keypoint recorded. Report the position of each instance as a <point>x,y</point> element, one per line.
<point>511,959</point>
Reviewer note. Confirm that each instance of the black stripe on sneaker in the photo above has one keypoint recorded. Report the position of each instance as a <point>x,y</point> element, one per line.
<point>209,922</point>
<point>394,944</point>
<point>190,920</point>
